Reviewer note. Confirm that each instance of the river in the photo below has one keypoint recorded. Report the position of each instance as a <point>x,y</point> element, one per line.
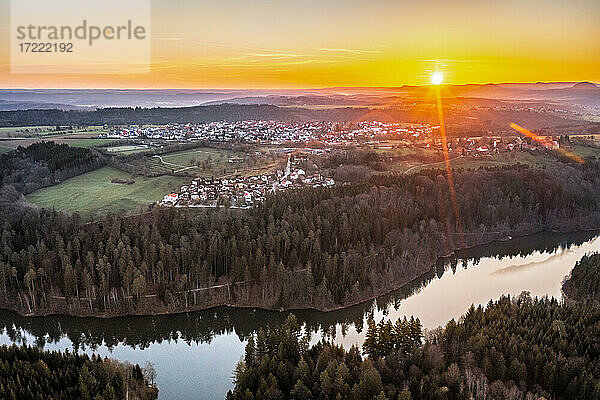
<point>195,353</point>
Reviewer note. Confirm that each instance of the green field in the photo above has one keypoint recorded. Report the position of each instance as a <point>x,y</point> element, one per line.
<point>403,149</point>
<point>25,130</point>
<point>127,148</point>
<point>92,194</point>
<point>192,157</point>
<point>584,151</point>
<point>495,160</point>
<point>88,142</point>
<point>4,149</point>
<point>44,131</point>
<point>207,162</point>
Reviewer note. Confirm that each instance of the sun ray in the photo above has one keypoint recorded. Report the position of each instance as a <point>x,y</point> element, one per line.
<point>546,143</point>
<point>458,225</point>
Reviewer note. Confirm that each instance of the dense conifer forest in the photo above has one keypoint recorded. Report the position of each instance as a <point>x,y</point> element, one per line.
<point>513,349</point>
<point>584,282</point>
<point>459,121</point>
<point>44,164</point>
<point>29,373</point>
<point>320,248</point>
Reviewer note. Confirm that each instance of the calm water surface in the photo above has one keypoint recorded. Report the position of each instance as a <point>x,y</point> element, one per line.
<point>195,353</point>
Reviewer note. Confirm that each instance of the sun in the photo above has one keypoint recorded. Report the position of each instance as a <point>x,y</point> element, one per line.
<point>437,78</point>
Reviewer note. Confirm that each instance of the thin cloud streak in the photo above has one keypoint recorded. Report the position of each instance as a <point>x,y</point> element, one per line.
<point>349,51</point>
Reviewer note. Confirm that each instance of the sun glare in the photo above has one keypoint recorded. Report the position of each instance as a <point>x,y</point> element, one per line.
<point>437,78</point>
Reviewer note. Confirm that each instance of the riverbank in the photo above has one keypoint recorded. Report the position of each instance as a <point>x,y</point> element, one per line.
<point>221,296</point>
<point>196,352</point>
<point>583,283</point>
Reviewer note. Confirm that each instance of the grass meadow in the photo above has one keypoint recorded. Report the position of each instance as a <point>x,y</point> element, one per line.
<point>93,194</point>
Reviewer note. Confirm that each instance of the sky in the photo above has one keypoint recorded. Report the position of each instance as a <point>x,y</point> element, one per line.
<point>327,43</point>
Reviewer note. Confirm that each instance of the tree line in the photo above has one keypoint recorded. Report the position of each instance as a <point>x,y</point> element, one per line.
<point>460,121</point>
<point>584,282</point>
<point>44,164</point>
<point>513,349</point>
<point>319,247</point>
<point>183,115</point>
<point>30,373</point>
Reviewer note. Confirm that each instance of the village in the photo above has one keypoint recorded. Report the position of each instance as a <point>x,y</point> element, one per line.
<point>272,132</point>
<point>243,191</point>
<point>481,146</point>
<point>322,135</point>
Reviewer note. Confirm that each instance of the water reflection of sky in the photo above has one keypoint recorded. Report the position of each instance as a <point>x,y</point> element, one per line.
<point>185,370</point>
<point>195,353</point>
<point>450,296</point>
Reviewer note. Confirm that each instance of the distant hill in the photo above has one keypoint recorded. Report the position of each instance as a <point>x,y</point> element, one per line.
<point>224,112</point>
<point>457,119</point>
<point>582,93</point>
<point>304,100</point>
<point>8,105</point>
<point>585,86</point>
<point>102,98</point>
<point>65,99</point>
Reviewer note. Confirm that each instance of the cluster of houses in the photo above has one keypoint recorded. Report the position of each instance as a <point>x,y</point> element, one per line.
<point>272,132</point>
<point>242,191</point>
<point>369,130</point>
<point>330,134</point>
<point>245,131</point>
<point>475,146</point>
<point>478,146</point>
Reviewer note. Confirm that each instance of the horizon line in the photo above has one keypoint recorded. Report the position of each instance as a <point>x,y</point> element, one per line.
<point>303,88</point>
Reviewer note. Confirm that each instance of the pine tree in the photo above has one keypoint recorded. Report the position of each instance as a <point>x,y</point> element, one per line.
<point>371,343</point>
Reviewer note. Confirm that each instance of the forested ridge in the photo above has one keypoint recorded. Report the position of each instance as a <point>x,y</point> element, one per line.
<point>168,115</point>
<point>28,373</point>
<point>44,164</point>
<point>317,248</point>
<point>459,121</point>
<point>514,349</point>
<point>584,282</point>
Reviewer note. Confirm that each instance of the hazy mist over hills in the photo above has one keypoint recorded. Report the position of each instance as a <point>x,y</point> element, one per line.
<point>579,93</point>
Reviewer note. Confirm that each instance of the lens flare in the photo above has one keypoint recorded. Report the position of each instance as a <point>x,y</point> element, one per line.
<point>440,110</point>
<point>546,143</point>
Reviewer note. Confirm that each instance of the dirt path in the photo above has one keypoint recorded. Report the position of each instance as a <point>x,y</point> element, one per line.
<point>181,167</point>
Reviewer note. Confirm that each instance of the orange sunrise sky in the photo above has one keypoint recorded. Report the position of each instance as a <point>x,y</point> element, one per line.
<point>310,43</point>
